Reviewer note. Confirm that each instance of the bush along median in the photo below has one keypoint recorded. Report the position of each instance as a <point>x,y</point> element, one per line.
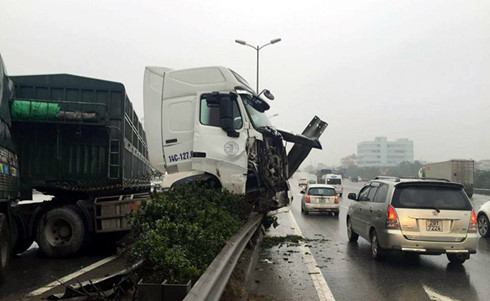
<point>182,230</point>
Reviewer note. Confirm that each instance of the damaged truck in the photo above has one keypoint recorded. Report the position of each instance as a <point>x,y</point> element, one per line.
<point>208,125</point>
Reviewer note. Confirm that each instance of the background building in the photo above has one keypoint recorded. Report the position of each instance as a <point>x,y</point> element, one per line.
<point>384,153</point>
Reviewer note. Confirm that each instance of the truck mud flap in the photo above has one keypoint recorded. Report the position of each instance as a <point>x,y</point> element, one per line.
<point>303,143</point>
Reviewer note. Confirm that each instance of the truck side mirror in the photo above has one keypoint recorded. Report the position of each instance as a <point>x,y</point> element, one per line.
<point>226,116</point>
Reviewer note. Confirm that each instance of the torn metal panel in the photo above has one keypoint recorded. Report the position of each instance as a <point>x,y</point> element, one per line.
<point>300,150</point>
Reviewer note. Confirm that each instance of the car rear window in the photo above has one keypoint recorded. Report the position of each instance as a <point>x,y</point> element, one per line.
<point>334,181</point>
<point>322,191</point>
<point>431,197</point>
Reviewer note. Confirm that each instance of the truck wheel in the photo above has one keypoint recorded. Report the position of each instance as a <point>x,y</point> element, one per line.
<point>4,245</point>
<point>20,238</point>
<point>60,232</point>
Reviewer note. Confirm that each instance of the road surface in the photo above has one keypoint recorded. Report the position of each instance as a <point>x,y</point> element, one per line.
<point>349,271</point>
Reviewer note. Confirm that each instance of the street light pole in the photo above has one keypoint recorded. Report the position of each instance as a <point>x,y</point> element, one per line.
<point>257,83</point>
<point>257,48</point>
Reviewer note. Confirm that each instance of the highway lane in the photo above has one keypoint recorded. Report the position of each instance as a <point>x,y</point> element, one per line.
<point>352,275</point>
<point>30,271</point>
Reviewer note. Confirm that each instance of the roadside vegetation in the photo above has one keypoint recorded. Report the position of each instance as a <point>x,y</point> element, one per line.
<point>482,179</point>
<point>182,230</point>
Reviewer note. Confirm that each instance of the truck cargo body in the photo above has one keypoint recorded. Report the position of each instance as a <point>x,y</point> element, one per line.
<point>8,166</point>
<point>77,139</point>
<point>459,171</point>
<point>87,138</point>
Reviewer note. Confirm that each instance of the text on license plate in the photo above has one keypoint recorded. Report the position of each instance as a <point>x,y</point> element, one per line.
<point>323,200</point>
<point>434,225</point>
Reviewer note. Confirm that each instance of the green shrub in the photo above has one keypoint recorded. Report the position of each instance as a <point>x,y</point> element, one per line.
<point>182,230</point>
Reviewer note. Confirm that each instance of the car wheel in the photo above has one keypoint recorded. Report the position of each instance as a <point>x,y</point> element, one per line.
<point>457,258</point>
<point>340,194</point>
<point>483,225</point>
<point>376,251</point>
<point>351,235</point>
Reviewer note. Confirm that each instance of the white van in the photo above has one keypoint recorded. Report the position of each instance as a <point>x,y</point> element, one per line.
<point>336,181</point>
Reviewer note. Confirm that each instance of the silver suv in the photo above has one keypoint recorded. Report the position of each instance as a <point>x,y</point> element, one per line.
<point>427,216</point>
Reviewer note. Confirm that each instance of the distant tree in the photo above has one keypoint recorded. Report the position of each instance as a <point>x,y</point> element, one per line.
<point>310,169</point>
<point>482,179</point>
<point>405,169</point>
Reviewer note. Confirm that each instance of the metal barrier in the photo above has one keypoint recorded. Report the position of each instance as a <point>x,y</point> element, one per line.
<point>211,284</point>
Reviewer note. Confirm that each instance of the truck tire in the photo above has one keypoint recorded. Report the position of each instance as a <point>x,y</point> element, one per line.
<point>60,232</point>
<point>19,231</point>
<point>4,245</point>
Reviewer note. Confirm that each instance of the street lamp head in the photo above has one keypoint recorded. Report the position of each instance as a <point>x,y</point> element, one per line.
<point>275,41</point>
<point>240,42</point>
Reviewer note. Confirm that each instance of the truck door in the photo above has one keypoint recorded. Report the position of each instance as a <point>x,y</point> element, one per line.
<point>220,140</point>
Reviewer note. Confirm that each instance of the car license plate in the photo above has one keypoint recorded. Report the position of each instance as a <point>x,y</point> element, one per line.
<point>434,225</point>
<point>323,200</point>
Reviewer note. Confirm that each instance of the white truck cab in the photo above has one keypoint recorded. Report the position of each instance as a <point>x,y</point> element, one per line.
<point>207,125</point>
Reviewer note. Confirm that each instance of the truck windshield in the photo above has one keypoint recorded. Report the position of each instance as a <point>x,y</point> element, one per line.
<point>259,119</point>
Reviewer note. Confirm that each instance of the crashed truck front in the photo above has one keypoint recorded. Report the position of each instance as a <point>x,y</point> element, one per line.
<point>208,125</point>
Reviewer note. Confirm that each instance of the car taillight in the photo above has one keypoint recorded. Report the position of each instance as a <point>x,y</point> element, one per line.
<point>336,199</point>
<point>392,219</point>
<point>307,198</point>
<point>472,226</point>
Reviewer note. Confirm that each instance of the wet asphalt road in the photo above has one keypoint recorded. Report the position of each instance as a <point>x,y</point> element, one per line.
<point>353,275</point>
<point>30,271</point>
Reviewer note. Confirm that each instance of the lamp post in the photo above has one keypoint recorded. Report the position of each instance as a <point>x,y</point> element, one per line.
<point>257,48</point>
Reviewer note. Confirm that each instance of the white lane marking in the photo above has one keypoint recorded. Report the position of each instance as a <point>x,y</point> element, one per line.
<point>434,296</point>
<point>321,286</point>
<point>71,276</point>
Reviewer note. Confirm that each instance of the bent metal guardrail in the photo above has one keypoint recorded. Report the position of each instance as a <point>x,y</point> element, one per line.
<point>211,284</point>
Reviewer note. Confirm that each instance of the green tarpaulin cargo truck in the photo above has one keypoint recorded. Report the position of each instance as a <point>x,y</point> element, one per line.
<point>77,139</point>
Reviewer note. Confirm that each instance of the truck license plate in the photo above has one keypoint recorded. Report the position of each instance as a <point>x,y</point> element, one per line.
<point>434,225</point>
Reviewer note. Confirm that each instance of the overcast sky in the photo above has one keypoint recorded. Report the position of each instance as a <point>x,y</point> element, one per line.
<point>401,69</point>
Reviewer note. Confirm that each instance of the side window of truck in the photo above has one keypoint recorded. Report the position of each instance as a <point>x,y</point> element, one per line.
<point>209,114</point>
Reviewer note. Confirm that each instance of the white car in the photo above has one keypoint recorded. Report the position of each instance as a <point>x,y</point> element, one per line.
<point>320,198</point>
<point>482,217</point>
